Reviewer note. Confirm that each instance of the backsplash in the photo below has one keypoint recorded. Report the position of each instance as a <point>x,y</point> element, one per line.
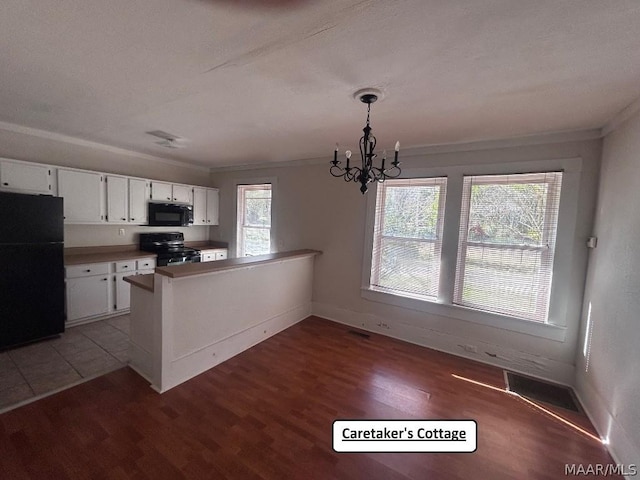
<point>97,235</point>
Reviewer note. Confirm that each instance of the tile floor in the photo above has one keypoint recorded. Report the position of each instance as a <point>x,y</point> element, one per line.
<point>81,353</point>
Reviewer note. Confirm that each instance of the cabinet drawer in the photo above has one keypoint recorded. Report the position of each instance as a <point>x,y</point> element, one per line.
<point>126,266</point>
<point>207,257</point>
<point>76,271</point>
<point>146,263</point>
<point>221,255</point>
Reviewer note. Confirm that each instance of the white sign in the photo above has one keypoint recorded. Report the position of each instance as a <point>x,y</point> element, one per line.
<point>405,436</point>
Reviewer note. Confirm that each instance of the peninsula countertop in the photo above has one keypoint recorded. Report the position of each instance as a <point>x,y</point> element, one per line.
<point>189,269</point>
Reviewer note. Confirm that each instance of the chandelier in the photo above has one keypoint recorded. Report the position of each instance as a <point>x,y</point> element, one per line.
<point>367,173</point>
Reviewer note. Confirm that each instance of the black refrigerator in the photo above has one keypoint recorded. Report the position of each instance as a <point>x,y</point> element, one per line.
<point>31,268</point>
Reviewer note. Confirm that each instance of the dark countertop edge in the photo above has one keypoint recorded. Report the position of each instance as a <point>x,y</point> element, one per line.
<point>142,281</point>
<point>190,269</point>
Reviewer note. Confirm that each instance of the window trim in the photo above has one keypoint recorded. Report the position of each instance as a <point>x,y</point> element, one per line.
<point>255,181</point>
<point>441,183</point>
<point>554,184</point>
<point>556,326</point>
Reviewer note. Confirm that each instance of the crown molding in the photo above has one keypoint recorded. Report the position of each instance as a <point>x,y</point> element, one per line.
<point>622,116</point>
<point>538,139</point>
<point>59,137</point>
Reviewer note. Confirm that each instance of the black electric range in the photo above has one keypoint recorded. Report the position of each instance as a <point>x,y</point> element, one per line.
<point>169,247</point>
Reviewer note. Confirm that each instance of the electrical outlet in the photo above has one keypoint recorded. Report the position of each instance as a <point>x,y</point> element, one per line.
<point>121,232</point>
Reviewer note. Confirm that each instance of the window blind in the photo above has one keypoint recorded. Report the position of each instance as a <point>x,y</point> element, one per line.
<point>254,219</point>
<point>506,246</point>
<point>408,236</point>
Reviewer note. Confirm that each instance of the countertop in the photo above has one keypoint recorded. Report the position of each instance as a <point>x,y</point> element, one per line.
<point>207,245</point>
<point>189,269</point>
<point>142,281</point>
<point>118,253</point>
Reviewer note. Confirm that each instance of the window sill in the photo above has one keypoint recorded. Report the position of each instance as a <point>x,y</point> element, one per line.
<point>543,330</point>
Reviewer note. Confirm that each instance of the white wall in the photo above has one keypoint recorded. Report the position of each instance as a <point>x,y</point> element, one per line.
<point>314,210</point>
<point>62,151</point>
<point>101,235</point>
<point>608,381</point>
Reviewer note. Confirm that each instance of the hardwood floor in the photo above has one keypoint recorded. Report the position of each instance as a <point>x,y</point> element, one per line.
<point>267,414</point>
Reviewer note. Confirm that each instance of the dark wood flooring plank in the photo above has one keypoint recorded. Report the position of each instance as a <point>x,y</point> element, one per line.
<point>268,412</point>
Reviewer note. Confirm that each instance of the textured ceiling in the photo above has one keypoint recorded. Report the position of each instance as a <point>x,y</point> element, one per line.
<point>251,81</point>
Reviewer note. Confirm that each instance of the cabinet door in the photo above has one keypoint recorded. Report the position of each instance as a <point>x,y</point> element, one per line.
<point>221,255</point>
<point>138,200</point>
<point>83,194</point>
<point>182,194</point>
<point>161,191</point>
<point>87,297</point>
<point>24,178</point>
<point>122,300</point>
<point>199,206</point>
<point>117,199</point>
<point>213,196</point>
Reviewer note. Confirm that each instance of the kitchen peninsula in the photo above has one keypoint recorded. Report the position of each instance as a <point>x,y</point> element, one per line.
<point>188,318</point>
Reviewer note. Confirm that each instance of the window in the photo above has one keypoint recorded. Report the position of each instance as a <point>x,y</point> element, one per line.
<point>408,236</point>
<point>488,259</point>
<point>254,220</point>
<point>507,242</point>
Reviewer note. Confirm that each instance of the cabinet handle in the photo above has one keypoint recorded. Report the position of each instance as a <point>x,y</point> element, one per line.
<point>132,219</point>
<point>168,198</point>
<point>104,279</point>
<point>5,184</point>
<point>125,266</point>
<point>208,221</point>
<point>88,270</point>
<point>123,218</point>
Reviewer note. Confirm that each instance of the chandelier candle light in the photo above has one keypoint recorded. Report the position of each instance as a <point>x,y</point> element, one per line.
<point>368,172</point>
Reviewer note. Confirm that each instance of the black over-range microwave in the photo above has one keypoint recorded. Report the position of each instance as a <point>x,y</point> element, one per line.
<point>170,214</point>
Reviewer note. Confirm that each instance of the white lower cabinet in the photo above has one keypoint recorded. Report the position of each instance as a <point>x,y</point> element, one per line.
<point>213,254</point>
<point>98,290</point>
<point>88,291</point>
<point>122,297</point>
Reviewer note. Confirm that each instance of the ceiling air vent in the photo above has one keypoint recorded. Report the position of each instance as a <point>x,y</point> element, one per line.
<point>169,140</point>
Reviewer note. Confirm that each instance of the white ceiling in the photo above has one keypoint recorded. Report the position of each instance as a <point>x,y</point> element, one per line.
<point>256,81</point>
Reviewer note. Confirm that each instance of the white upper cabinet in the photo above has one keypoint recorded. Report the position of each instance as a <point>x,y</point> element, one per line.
<point>183,194</point>
<point>94,197</point>
<point>117,199</point>
<point>83,194</point>
<point>213,205</point>
<point>138,199</point>
<point>161,191</point>
<point>199,206</point>
<point>127,200</point>
<point>205,206</point>
<point>26,178</point>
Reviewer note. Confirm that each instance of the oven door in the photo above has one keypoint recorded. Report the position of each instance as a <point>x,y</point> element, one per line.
<point>168,260</point>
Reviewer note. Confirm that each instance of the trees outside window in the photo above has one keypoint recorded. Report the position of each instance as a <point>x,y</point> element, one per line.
<point>254,220</point>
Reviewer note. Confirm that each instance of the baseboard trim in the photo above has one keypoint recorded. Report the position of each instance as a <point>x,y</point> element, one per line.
<point>520,362</point>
